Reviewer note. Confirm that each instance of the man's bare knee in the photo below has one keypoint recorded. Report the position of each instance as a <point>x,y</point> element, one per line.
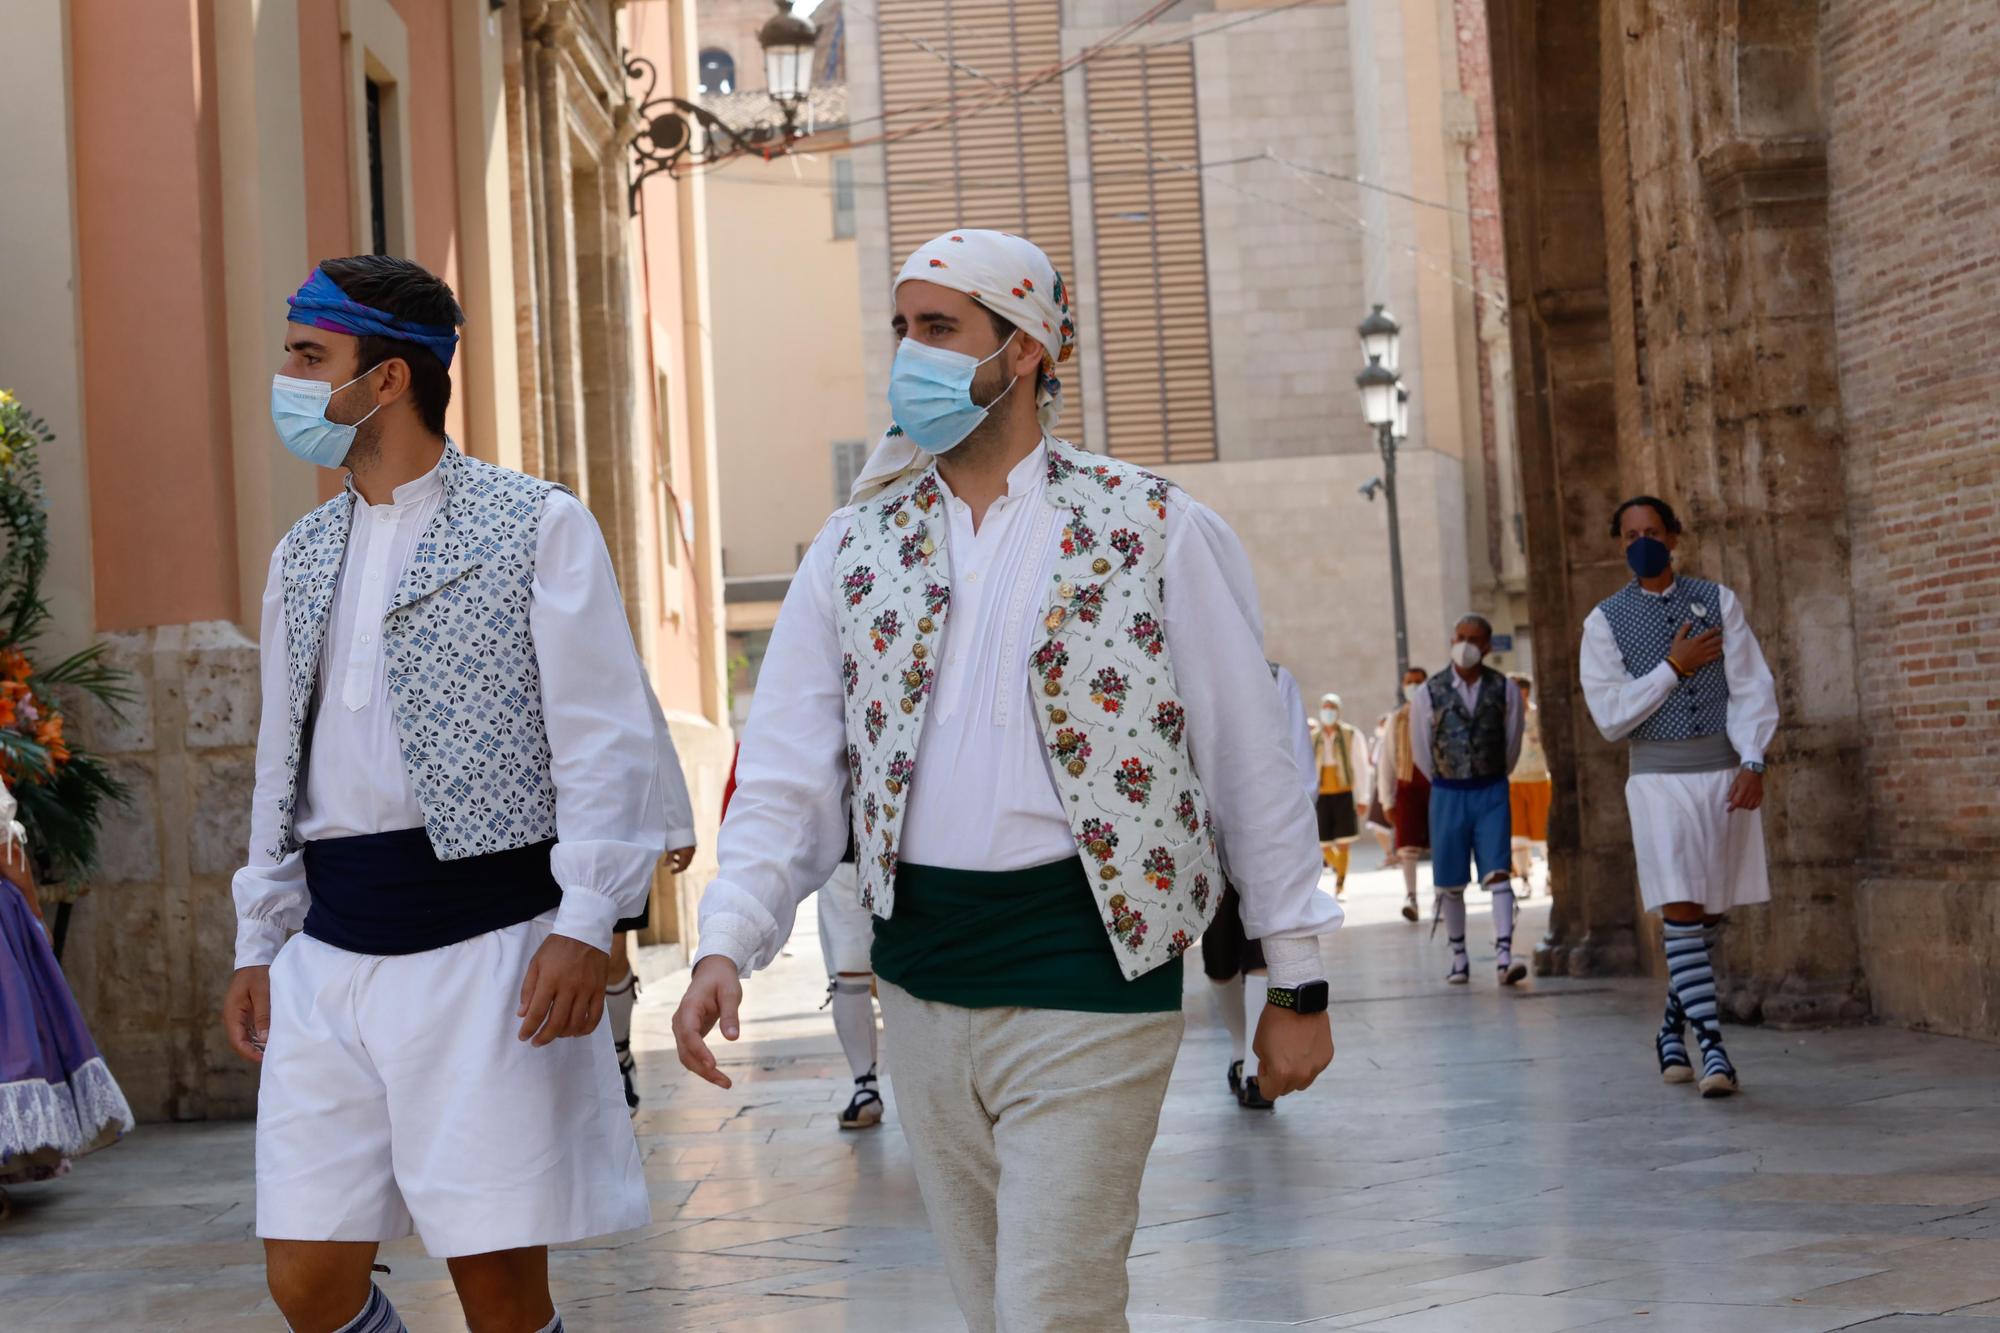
<point>319,1285</point>
<point>506,1291</point>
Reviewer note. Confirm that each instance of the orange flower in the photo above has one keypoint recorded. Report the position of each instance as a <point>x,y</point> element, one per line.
<point>14,664</point>
<point>7,714</point>
<point>49,735</point>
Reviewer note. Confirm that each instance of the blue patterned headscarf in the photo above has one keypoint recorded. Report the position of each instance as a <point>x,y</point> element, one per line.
<point>323,305</point>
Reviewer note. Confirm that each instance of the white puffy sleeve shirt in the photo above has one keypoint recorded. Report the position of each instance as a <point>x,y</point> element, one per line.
<point>787,825</point>
<point>620,796</point>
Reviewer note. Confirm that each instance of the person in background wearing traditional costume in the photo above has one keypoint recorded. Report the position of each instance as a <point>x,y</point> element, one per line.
<point>461,787</point>
<point>995,669</point>
<point>1669,663</point>
<point>1342,757</point>
<point>1465,734</point>
<point>1407,792</point>
<point>58,1100</point>
<point>1529,792</point>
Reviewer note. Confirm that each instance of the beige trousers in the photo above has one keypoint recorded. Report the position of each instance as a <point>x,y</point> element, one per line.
<point>1029,1129</point>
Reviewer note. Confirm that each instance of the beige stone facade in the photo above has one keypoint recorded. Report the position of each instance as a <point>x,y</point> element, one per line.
<point>1289,106</point>
<point>1745,274</point>
<point>147,273</point>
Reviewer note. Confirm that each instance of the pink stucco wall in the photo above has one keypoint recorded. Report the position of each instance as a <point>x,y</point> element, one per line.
<point>149,254</point>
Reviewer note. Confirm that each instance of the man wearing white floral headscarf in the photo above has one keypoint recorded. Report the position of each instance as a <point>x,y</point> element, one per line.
<point>1000,663</point>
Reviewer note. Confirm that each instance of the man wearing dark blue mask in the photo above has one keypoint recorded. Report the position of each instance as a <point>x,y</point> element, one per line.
<point>1669,663</point>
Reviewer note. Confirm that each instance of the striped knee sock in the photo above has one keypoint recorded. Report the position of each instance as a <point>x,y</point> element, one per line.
<point>1693,981</point>
<point>377,1316</point>
<point>1672,1039</point>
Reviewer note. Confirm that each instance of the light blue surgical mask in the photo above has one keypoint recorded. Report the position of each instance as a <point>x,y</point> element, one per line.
<point>298,410</point>
<point>930,394</point>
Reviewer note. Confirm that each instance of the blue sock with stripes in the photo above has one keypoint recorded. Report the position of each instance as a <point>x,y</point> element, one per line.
<point>1693,982</point>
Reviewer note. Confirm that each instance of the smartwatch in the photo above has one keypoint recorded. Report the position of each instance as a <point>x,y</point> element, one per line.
<point>1307,999</point>
<point>1758,769</point>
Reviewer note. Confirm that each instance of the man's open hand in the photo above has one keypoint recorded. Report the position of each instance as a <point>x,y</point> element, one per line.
<point>1747,792</point>
<point>713,994</point>
<point>246,1012</point>
<point>1292,1048</point>
<point>563,993</point>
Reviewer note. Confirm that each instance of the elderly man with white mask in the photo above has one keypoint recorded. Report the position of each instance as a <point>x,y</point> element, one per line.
<point>1004,658</point>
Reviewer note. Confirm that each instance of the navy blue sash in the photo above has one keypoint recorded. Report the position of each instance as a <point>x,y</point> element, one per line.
<point>388,893</point>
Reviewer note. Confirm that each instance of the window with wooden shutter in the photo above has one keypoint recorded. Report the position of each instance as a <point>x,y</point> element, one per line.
<point>1005,167</point>
<point>1152,265</point>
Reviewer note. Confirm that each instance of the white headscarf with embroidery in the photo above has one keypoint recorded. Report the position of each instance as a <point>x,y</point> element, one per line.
<point>1010,276</point>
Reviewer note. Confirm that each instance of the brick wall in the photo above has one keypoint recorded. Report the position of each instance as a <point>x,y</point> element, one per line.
<point>1913,97</point>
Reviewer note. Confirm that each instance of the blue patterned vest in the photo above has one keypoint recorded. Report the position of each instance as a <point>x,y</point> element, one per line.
<point>1469,746</point>
<point>463,677</point>
<point>1644,626</point>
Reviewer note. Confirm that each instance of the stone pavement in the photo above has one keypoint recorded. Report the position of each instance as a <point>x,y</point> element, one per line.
<point>1495,1163</point>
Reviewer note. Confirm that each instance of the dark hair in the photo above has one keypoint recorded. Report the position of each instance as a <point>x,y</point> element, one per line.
<point>1419,670</point>
<point>1474,618</point>
<point>1652,502</point>
<point>410,292</point>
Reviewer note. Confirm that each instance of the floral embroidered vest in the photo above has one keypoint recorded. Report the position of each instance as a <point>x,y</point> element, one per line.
<point>463,677</point>
<point>1114,731</point>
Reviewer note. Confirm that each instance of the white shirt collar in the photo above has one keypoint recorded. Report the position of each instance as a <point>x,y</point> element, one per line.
<point>1026,478</point>
<point>410,492</point>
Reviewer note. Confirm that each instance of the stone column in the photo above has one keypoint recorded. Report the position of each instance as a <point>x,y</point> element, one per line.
<point>1547,102</point>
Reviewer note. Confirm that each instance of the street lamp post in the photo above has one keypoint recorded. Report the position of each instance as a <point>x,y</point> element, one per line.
<point>1385,405</point>
<point>675,134</point>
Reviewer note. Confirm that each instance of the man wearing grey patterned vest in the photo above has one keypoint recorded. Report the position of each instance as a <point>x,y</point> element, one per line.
<point>463,782</point>
<point>1669,663</point>
<point>1465,734</point>
<point>1025,679</point>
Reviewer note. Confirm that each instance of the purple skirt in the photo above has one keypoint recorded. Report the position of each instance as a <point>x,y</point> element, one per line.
<point>57,1099</point>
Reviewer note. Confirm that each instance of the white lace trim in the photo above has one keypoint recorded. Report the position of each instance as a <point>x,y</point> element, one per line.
<point>86,1113</point>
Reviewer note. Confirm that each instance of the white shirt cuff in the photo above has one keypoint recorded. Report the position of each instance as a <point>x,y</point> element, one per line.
<point>587,918</point>
<point>258,942</point>
<point>1293,962</point>
<point>721,942</point>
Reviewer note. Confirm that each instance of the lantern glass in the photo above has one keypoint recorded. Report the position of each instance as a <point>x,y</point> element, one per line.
<point>1401,429</point>
<point>1381,340</point>
<point>1378,393</point>
<point>788,73</point>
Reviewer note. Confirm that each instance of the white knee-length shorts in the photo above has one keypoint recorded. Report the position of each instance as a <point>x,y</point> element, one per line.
<point>396,1097</point>
<point>846,928</point>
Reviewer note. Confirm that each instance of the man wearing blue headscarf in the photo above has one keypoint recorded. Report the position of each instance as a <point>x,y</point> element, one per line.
<point>463,782</point>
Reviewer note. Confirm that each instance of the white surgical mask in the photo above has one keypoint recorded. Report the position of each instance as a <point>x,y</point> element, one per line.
<point>1329,716</point>
<point>1467,654</point>
<point>1410,691</point>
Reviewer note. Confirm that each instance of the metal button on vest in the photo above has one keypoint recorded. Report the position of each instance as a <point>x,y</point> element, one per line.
<point>1100,566</point>
<point>909,705</point>
<point>1099,848</point>
<point>1052,688</point>
<point>920,652</point>
<point>895,787</point>
<point>1066,591</point>
<point>913,679</point>
<point>1058,716</point>
<point>1076,768</point>
<point>902,518</point>
<point>926,625</point>
<point>1054,619</point>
